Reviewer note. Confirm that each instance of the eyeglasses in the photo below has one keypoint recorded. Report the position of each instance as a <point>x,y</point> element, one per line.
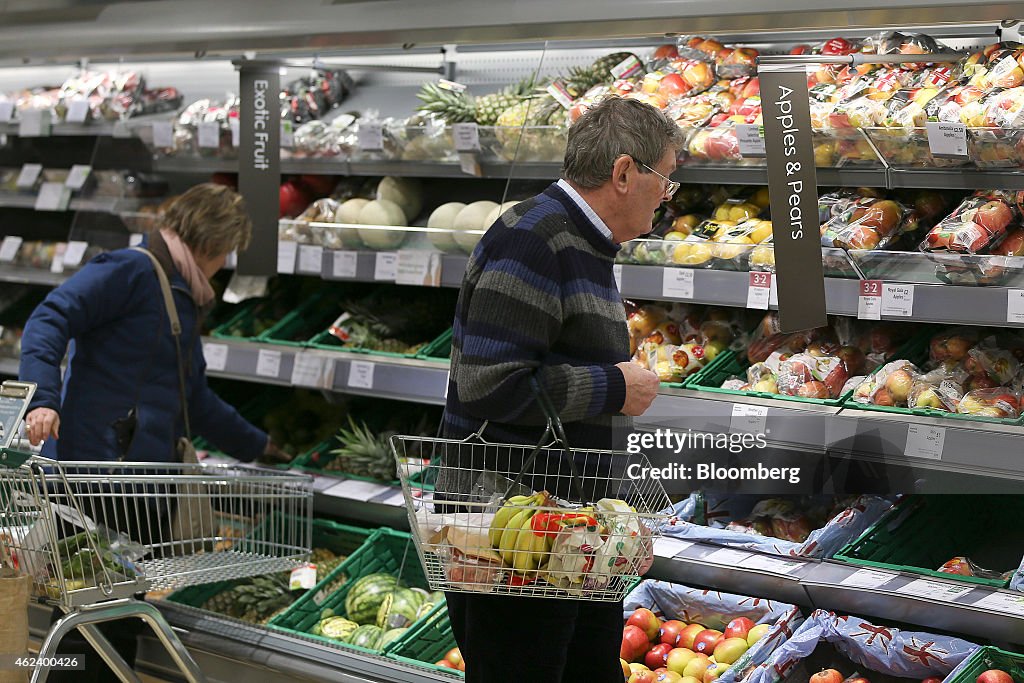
<point>671,186</point>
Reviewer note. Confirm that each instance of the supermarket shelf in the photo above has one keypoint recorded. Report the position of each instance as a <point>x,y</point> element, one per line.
<point>758,175</point>
<point>197,165</point>
<point>452,268</point>
<point>31,276</point>
<point>9,366</point>
<point>953,179</point>
<point>112,205</point>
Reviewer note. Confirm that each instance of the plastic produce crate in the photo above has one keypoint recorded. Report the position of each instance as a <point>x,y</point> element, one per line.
<point>985,658</point>
<point>341,539</point>
<point>316,459</point>
<point>327,341</point>
<point>439,349</point>
<point>301,325</point>
<point>385,550</point>
<point>426,642</point>
<point>905,538</point>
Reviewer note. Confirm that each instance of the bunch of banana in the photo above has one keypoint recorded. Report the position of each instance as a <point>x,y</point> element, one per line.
<point>510,532</point>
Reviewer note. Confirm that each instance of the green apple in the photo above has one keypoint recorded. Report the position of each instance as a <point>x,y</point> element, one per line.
<point>757,633</point>
<point>730,649</point>
<point>678,658</point>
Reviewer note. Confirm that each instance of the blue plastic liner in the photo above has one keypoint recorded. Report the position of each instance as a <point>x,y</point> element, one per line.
<point>906,654</point>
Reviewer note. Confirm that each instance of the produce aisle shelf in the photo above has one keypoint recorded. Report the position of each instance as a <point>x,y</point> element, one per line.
<point>31,276</point>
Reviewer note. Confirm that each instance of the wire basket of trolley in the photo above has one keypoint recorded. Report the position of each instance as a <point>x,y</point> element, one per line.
<point>545,520</point>
<point>91,535</point>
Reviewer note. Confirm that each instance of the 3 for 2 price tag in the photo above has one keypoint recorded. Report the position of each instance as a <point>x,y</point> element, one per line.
<point>759,291</point>
<point>869,303</point>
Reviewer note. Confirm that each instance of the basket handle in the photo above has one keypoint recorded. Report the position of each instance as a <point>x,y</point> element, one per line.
<point>557,430</point>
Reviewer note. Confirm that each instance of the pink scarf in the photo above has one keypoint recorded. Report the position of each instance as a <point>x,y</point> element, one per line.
<point>186,264</point>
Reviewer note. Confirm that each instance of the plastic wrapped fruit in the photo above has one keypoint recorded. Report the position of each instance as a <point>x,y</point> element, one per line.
<point>811,376</point>
<point>715,144</point>
<point>676,341</point>
<point>999,402</point>
<point>869,223</point>
<point>979,223</point>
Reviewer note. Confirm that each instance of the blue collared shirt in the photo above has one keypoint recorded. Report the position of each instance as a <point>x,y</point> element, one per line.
<point>587,210</point>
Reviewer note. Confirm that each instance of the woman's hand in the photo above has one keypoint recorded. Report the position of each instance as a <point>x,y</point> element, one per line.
<point>41,424</point>
<point>272,455</point>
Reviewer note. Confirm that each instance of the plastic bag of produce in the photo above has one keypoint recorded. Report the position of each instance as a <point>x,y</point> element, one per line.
<point>811,376</point>
<point>963,566</point>
<point>869,223</point>
<point>952,345</point>
<point>979,223</point>
<point>890,386</point>
<point>999,402</point>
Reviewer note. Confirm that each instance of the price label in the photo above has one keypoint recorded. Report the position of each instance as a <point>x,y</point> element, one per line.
<point>467,137</point>
<point>470,164</point>
<point>268,363</point>
<point>773,297</point>
<point>617,274</point>
<point>774,565</point>
<point>309,371</point>
<point>924,441</point>
<point>235,126</point>
<point>209,134</point>
<point>728,556</point>
<point>947,139</point>
<point>355,489</point>
<point>28,177</point>
<point>74,253</point>
<point>360,374</point>
<point>934,590</point>
<point>750,137</point>
<point>34,123</point>
<point>748,419</point>
<point>760,290</point>
<point>135,239</point>
<point>344,263</point>
<point>311,259</point>
<point>869,303</point>
<point>1015,306</point>
<point>677,283</point>
<point>6,110</point>
<point>9,248</point>
<point>867,578</point>
<point>395,499</point>
<point>321,595</point>
<point>78,111</point>
<point>287,135</point>
<point>53,197</point>
<point>561,94</point>
<point>77,176</point>
<point>1004,603</point>
<point>386,266</point>
<point>418,268</point>
<point>57,264</point>
<point>286,254</point>
<point>302,578</point>
<point>163,134</point>
<point>897,300</point>
<point>216,356</point>
<point>665,546</point>
<point>370,137</point>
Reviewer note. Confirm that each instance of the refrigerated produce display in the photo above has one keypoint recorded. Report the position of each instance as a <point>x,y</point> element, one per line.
<point>404,137</point>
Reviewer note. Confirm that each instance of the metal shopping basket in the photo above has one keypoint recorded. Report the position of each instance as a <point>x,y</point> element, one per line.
<point>542,521</point>
<point>91,535</point>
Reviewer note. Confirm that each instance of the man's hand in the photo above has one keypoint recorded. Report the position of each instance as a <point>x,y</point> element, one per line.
<point>272,455</point>
<point>41,424</point>
<point>641,388</point>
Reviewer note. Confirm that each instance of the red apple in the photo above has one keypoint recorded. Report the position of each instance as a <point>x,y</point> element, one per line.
<point>647,621</point>
<point>446,664</point>
<point>898,383</point>
<point>640,674</point>
<point>757,633</point>
<point>737,628</point>
<point>827,676</point>
<point>854,359</point>
<point>994,216</point>
<point>931,679</point>
<point>730,649</point>
<point>706,641</point>
<point>667,51</point>
<point>657,655</point>
<point>800,50</point>
<point>670,631</point>
<point>678,658</point>
<point>813,389</point>
<point>668,677</point>
<point>454,656</point>
<point>688,635</point>
<point>673,85</point>
<point>994,676</point>
<point>635,644</point>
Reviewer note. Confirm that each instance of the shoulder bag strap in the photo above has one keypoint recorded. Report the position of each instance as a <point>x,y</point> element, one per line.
<point>172,314</point>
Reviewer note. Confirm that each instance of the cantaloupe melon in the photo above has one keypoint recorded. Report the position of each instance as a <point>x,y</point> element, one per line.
<point>472,218</point>
<point>444,217</point>
<point>405,192</point>
<point>494,215</point>
<point>348,212</point>
<point>382,212</point>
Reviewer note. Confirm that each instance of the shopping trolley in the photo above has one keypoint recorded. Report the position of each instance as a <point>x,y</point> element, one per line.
<point>542,521</point>
<point>91,535</point>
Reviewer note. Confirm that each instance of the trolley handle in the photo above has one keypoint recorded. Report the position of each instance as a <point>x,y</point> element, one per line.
<point>557,430</point>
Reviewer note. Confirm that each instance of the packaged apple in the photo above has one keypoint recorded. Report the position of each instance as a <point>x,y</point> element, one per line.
<point>739,62</point>
<point>810,376</point>
<point>963,566</point>
<point>715,144</point>
<point>978,224</point>
<point>869,224</point>
<point>889,386</point>
<point>1001,403</point>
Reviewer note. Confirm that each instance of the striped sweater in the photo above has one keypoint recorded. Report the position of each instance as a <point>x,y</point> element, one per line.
<point>539,299</point>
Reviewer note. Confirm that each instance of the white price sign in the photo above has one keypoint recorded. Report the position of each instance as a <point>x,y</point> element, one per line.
<point>750,137</point>
<point>617,274</point>
<point>386,266</point>
<point>287,135</point>
<point>360,374</point>
<point>467,137</point>
<point>311,259</point>
<point>418,268</point>
<point>1002,602</point>
<point>355,489</point>
<point>395,499</point>
<point>867,578</point>
<point>370,137</point>
<point>344,263</point>
<point>163,134</point>
<point>728,557</point>
<point>1015,306</point>
<point>677,283</point>
<point>924,441</point>
<point>57,265</point>
<point>78,111</point>
<point>135,239</point>
<point>9,248</point>
<point>869,303</point>
<point>77,176</point>
<point>748,419</point>
<point>947,139</point>
<point>898,300</point>
<point>53,197</point>
<point>6,110</point>
<point>235,127</point>
<point>28,177</point>
<point>470,164</point>
<point>665,546</point>
<point>216,356</point>
<point>34,123</point>
<point>310,370</point>
<point>268,363</point>
<point>774,565</point>
<point>934,590</point>
<point>74,253</point>
<point>209,134</point>
<point>286,254</point>
<point>759,291</point>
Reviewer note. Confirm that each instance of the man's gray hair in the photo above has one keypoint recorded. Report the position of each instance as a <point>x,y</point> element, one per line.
<point>615,127</point>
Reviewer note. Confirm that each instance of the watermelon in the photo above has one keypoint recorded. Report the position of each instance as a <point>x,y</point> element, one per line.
<point>367,636</point>
<point>336,628</point>
<point>365,596</point>
<point>399,608</point>
<point>391,636</point>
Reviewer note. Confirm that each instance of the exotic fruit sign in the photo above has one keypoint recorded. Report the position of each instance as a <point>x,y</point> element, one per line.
<point>259,163</point>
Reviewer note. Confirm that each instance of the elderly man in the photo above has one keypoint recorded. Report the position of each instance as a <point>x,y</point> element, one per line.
<point>539,301</point>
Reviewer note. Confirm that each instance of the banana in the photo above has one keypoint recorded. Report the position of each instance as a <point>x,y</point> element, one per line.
<point>541,549</point>
<point>507,545</point>
<point>505,513</point>
<point>523,559</point>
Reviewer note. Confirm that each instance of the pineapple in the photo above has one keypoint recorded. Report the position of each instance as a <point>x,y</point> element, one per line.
<point>536,145</point>
<point>489,107</point>
<point>256,600</point>
<point>450,106</point>
<point>582,79</point>
<point>363,453</point>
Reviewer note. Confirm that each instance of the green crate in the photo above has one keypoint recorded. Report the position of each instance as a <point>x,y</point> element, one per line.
<point>384,551</point>
<point>327,341</point>
<point>306,463</point>
<point>988,657</point>
<point>305,322</point>
<point>916,352</point>
<point>342,539</point>
<point>904,538</point>
<point>439,349</point>
<point>426,643</point>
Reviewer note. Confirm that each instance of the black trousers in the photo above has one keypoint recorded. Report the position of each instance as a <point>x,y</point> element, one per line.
<point>507,639</point>
<point>122,634</point>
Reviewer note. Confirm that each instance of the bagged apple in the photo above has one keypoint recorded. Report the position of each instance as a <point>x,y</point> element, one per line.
<point>869,223</point>
<point>1000,402</point>
<point>890,386</point>
<point>963,566</point>
<point>715,144</point>
<point>979,223</point>
<point>952,345</point>
<point>810,376</point>
<point>995,364</point>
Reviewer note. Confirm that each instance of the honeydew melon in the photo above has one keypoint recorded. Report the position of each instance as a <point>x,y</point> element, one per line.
<point>382,212</point>
<point>493,216</point>
<point>348,212</point>
<point>404,192</point>
<point>444,217</point>
<point>473,217</point>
